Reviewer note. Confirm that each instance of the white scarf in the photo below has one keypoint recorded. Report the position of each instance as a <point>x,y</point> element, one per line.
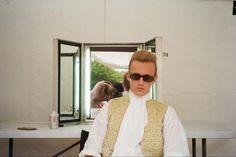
<point>132,127</point>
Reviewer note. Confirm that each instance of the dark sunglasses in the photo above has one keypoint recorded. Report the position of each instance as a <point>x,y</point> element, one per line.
<point>137,76</point>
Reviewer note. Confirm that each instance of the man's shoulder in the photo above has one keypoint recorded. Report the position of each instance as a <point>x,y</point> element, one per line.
<point>156,103</point>
<point>118,105</point>
<point>156,106</point>
<point>119,102</point>
<point>119,99</point>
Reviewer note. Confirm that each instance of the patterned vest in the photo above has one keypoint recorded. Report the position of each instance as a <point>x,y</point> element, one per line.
<point>152,142</point>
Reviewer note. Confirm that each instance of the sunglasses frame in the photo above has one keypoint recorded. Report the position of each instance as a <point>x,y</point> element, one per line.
<point>137,76</point>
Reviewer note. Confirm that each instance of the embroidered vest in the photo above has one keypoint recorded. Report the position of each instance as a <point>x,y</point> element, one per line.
<point>152,142</point>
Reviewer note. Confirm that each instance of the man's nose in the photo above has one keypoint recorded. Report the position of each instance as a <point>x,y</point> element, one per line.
<point>140,81</point>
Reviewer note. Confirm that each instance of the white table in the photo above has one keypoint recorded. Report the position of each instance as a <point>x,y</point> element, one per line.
<point>194,130</point>
<point>207,130</point>
<point>9,130</point>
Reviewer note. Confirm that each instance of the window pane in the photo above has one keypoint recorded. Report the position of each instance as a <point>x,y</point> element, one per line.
<point>69,81</point>
<point>66,94</point>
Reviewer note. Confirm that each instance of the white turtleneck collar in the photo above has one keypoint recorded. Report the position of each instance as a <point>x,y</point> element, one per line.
<point>145,97</point>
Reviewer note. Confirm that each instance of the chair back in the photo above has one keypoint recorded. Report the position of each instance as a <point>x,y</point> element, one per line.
<point>83,138</point>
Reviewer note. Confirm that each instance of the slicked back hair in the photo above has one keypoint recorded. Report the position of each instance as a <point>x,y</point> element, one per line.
<point>143,56</point>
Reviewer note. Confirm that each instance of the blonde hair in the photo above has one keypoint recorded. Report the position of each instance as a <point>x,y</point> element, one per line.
<point>126,82</point>
<point>143,56</point>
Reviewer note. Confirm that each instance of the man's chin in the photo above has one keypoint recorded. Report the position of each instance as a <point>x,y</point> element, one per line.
<point>139,93</point>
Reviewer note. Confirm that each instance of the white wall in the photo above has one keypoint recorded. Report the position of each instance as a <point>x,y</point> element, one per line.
<point>199,35</point>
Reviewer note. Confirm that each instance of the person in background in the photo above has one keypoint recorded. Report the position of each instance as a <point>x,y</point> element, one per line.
<point>119,89</point>
<point>137,125</point>
<point>103,91</point>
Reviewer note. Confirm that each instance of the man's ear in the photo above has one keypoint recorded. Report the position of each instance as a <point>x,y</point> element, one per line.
<point>155,78</point>
<point>127,76</point>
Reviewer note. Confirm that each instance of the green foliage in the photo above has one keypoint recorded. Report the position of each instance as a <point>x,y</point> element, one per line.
<point>102,72</point>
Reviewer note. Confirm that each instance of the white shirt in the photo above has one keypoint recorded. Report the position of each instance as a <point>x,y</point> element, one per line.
<point>175,140</point>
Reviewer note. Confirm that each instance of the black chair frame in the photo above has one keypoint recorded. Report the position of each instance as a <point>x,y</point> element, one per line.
<point>83,137</point>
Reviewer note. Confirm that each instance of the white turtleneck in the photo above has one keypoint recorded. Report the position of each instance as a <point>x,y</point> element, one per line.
<point>132,130</point>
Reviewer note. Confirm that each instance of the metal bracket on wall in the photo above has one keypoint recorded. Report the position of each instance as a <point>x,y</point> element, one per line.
<point>165,54</point>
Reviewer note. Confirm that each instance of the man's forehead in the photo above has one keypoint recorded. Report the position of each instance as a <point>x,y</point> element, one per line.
<point>137,64</point>
<point>143,67</point>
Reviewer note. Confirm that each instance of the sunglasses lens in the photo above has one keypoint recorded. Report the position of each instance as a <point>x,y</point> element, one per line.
<point>146,78</point>
<point>135,76</point>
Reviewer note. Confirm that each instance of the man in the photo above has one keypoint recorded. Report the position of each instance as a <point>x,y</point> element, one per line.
<point>137,125</point>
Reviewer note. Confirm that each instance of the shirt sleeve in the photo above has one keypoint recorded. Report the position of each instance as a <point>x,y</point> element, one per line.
<point>175,139</point>
<point>93,145</point>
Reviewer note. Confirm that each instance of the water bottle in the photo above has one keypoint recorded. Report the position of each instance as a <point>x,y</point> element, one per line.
<point>53,120</point>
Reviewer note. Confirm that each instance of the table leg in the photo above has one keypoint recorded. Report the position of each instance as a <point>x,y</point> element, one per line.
<point>10,147</point>
<point>194,147</point>
<point>204,147</point>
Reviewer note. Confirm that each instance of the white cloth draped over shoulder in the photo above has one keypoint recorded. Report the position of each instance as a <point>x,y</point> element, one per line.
<point>132,130</point>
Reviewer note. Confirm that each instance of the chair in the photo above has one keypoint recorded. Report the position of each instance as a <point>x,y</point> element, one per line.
<point>83,137</point>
